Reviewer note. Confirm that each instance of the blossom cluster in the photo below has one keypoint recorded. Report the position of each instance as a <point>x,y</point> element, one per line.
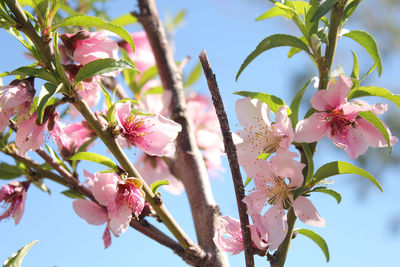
<point>277,178</point>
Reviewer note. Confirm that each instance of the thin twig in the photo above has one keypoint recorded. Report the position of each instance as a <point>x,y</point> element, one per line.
<point>230,150</point>
<point>189,164</point>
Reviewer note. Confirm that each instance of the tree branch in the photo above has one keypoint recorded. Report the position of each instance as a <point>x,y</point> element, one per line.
<point>190,166</point>
<point>230,150</point>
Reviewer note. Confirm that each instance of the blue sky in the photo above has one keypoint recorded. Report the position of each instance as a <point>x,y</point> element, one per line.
<point>356,232</point>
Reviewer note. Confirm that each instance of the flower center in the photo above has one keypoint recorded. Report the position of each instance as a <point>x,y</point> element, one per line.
<point>280,192</point>
<point>134,130</point>
<point>340,123</point>
<point>270,141</point>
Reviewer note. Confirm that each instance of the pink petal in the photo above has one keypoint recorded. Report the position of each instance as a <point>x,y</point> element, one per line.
<point>307,213</point>
<point>120,219</point>
<point>353,143</point>
<point>312,129</point>
<point>20,208</point>
<point>334,96</point>
<point>252,112</point>
<point>104,187</point>
<point>276,226</point>
<point>373,137</point>
<point>90,211</point>
<point>255,202</point>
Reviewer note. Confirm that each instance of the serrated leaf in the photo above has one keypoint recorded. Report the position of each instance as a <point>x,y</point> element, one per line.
<point>378,124</point>
<point>193,76</point>
<point>8,172</point>
<point>156,185</point>
<point>34,72</point>
<point>124,20</point>
<point>272,101</point>
<point>72,194</point>
<point>16,259</point>
<point>310,162</point>
<point>101,66</point>
<point>48,91</point>
<point>369,44</point>
<point>295,105</point>
<point>42,186</point>
<point>341,167</point>
<point>273,41</point>
<point>356,72</point>
<point>88,21</point>
<point>95,158</point>
<point>317,239</point>
<point>323,9</point>
<point>331,192</point>
<point>374,91</point>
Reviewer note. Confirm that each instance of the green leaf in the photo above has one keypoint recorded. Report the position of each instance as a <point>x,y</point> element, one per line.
<point>124,20</point>
<point>57,158</point>
<point>88,21</point>
<point>154,186</point>
<point>323,9</point>
<point>325,190</point>
<point>107,96</point>
<point>295,105</point>
<point>101,66</point>
<point>378,124</point>
<point>48,91</point>
<point>34,72</point>
<point>310,162</point>
<point>15,260</point>
<point>72,194</point>
<point>368,42</point>
<point>273,41</point>
<point>8,172</point>
<point>95,158</point>
<point>289,8</point>
<point>293,51</point>
<point>154,91</point>
<point>193,76</point>
<point>148,75</point>
<point>317,239</point>
<point>42,186</point>
<point>272,101</point>
<point>350,8</point>
<point>276,11</point>
<point>355,73</point>
<point>341,167</point>
<point>374,91</point>
<point>248,180</point>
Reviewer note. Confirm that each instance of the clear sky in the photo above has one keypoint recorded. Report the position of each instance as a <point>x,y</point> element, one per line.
<point>357,233</point>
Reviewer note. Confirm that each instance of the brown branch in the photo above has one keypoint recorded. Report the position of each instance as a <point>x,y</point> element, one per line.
<point>230,150</point>
<point>189,164</point>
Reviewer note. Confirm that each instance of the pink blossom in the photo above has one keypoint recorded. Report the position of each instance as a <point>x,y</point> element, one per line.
<point>276,181</point>
<point>85,46</point>
<point>71,137</point>
<point>260,135</point>
<point>154,169</point>
<point>30,135</point>
<point>154,103</point>
<point>153,134</point>
<point>119,198</point>
<point>228,236</point>
<point>338,119</point>
<point>15,98</point>
<point>143,55</point>
<point>14,195</point>
<point>207,130</point>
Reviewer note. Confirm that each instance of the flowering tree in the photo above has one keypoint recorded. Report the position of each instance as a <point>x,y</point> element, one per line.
<point>179,136</point>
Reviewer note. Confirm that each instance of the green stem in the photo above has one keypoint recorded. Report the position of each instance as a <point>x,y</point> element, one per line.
<point>325,63</point>
<point>283,249</point>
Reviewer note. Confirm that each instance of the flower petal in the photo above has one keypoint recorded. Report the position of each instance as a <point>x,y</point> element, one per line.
<point>90,211</point>
<point>307,213</point>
